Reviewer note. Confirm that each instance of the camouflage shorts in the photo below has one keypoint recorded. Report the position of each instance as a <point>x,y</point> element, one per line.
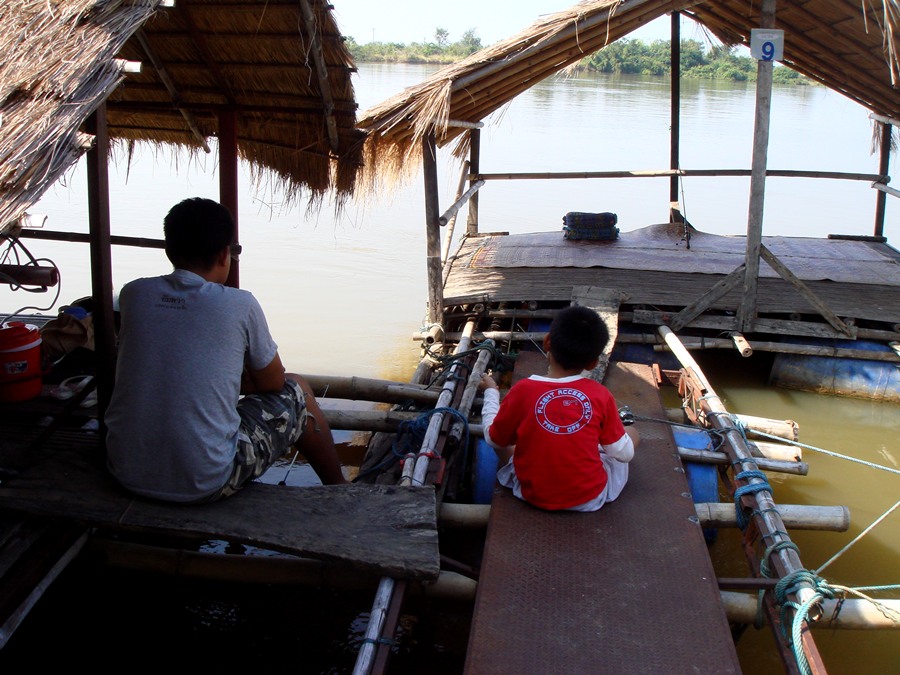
<point>270,425</point>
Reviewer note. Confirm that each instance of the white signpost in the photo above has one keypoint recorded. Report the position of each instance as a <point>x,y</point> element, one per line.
<point>767,44</point>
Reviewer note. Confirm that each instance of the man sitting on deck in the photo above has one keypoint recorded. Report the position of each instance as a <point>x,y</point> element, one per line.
<point>559,437</point>
<point>179,429</point>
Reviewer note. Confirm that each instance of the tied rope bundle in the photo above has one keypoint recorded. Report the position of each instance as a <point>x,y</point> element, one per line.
<point>596,226</point>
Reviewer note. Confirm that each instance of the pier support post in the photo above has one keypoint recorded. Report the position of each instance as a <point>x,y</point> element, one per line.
<point>432,231</point>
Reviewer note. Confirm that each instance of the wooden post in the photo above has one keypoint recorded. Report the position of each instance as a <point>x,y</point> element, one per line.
<point>101,260</point>
<point>228,179</point>
<point>474,169</point>
<point>432,231</point>
<point>747,310</point>
<point>883,168</point>
<point>675,133</point>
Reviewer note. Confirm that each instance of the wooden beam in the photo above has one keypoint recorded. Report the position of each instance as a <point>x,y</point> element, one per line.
<point>883,168</point>
<point>228,181</point>
<point>675,104</point>
<point>169,84</point>
<point>747,310</point>
<point>318,58</point>
<point>432,230</point>
<point>804,290</point>
<point>703,303</point>
<point>474,167</point>
<point>775,326</point>
<point>101,260</point>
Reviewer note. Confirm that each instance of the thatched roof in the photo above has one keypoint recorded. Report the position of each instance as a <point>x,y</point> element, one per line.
<point>852,46</point>
<point>280,64</point>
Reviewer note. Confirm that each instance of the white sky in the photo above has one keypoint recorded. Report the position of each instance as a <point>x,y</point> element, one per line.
<point>408,21</point>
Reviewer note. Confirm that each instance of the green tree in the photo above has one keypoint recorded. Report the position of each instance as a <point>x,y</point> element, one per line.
<point>442,37</point>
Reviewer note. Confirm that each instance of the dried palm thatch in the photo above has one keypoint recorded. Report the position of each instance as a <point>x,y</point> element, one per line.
<point>850,46</point>
<point>280,65</point>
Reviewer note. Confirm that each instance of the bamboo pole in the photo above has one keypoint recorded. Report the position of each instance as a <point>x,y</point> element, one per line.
<point>761,504</point>
<point>460,202</point>
<point>414,472</point>
<point>680,172</point>
<point>451,223</point>
<point>377,616</point>
<point>711,457</point>
<point>369,389</point>
<point>387,421</point>
<point>797,516</point>
<point>779,451</point>
<point>787,429</point>
<point>469,393</point>
<point>852,613</point>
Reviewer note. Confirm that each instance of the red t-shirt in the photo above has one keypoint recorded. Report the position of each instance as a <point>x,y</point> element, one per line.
<point>556,426</point>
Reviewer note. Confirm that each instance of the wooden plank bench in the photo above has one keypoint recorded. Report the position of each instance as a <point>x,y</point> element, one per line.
<point>376,529</point>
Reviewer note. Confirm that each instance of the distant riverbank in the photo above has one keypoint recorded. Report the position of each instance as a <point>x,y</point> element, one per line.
<point>625,56</point>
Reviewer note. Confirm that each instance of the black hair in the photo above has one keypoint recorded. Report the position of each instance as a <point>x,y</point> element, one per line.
<point>196,230</point>
<point>577,336</point>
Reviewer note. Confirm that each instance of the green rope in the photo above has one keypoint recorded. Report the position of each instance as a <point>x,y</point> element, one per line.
<point>751,488</point>
<point>774,548</point>
<point>801,614</point>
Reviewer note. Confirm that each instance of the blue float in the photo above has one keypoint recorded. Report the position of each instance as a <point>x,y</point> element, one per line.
<point>703,479</point>
<point>859,378</point>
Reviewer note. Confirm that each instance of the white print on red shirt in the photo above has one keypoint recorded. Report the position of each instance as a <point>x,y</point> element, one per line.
<point>563,411</point>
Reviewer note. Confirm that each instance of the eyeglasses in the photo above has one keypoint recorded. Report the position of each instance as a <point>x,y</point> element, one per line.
<point>235,250</point>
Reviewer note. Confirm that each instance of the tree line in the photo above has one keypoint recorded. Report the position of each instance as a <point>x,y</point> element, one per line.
<point>625,56</point>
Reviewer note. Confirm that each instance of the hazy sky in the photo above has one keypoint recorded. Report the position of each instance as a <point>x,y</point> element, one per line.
<point>408,21</point>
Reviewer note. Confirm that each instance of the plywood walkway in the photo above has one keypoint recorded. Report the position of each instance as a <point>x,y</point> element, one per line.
<point>628,589</point>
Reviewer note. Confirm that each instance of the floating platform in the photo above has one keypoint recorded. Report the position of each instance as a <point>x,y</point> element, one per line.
<point>667,273</point>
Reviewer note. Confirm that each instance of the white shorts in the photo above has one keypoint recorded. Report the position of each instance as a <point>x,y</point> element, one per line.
<point>616,478</point>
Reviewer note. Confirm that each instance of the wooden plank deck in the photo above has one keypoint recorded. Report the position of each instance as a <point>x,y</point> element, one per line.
<point>655,268</point>
<point>628,589</point>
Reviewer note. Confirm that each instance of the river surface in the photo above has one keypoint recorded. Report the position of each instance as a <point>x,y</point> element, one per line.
<point>345,294</point>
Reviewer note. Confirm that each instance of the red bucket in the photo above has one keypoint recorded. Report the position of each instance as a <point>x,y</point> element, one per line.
<point>20,361</point>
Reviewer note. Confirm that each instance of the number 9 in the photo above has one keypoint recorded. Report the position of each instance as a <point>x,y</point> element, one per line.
<point>768,51</point>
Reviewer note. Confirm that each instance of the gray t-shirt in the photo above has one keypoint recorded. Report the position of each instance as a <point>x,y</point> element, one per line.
<point>172,421</point>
